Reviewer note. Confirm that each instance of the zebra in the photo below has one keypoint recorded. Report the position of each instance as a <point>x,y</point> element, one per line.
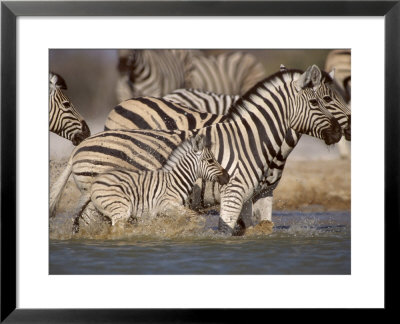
<point>151,72</point>
<point>64,119</point>
<point>159,72</point>
<point>340,61</point>
<point>156,113</point>
<point>123,195</point>
<point>255,140</point>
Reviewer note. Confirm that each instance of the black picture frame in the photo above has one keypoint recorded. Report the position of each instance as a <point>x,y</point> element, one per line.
<point>11,10</point>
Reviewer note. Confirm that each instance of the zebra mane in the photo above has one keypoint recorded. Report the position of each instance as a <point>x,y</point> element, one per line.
<point>56,81</point>
<point>177,155</point>
<point>281,75</point>
<point>182,150</point>
<point>239,105</point>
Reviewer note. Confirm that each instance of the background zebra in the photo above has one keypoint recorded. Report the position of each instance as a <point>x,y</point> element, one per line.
<point>159,72</point>
<point>255,140</point>
<point>64,119</point>
<point>340,61</point>
<point>121,194</point>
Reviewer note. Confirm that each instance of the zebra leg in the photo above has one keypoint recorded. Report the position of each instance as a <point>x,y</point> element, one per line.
<point>83,202</point>
<point>246,214</point>
<point>231,206</point>
<point>262,209</point>
<point>262,204</point>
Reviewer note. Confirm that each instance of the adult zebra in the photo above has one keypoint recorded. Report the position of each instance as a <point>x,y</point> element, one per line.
<point>157,113</point>
<point>340,61</point>
<point>159,72</point>
<point>256,140</point>
<point>64,119</point>
<point>122,195</point>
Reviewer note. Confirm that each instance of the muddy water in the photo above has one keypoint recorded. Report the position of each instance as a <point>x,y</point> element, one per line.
<point>298,243</point>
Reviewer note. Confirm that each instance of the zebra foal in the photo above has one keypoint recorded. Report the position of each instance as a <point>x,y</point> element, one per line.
<point>64,120</point>
<point>121,194</point>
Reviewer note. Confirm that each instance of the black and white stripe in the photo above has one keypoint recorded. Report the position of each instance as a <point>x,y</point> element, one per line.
<point>159,72</point>
<point>256,139</point>
<point>340,62</point>
<point>64,120</point>
<point>185,109</point>
<point>121,194</point>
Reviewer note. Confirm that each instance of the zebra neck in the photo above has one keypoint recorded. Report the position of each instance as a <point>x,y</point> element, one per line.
<point>182,177</point>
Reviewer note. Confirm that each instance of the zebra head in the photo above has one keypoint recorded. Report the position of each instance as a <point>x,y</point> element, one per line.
<point>320,110</point>
<point>209,168</point>
<point>64,119</point>
<point>126,61</point>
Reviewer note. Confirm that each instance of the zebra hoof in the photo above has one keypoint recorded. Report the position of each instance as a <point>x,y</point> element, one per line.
<point>75,226</point>
<point>239,229</point>
<point>224,228</point>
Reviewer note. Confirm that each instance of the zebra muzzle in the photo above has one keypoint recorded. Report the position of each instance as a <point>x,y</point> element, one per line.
<point>79,137</point>
<point>333,134</point>
<point>223,179</point>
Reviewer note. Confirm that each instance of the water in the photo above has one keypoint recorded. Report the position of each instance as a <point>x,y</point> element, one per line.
<point>300,243</point>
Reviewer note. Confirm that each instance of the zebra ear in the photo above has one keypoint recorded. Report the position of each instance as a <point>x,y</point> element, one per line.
<point>53,78</point>
<point>332,74</point>
<point>57,81</point>
<point>316,76</point>
<point>310,78</point>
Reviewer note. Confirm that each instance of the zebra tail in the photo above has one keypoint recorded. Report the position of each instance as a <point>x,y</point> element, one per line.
<point>58,187</point>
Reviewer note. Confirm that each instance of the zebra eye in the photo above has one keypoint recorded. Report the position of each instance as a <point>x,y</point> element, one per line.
<point>66,104</point>
<point>210,161</point>
<point>314,102</point>
<point>328,99</point>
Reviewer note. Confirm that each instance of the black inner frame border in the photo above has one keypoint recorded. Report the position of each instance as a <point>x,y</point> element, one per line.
<point>9,13</point>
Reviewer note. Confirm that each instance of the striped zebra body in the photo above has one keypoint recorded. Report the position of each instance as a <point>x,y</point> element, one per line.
<point>152,72</point>
<point>203,101</point>
<point>160,113</point>
<point>64,120</point>
<point>247,146</point>
<point>121,194</point>
<point>231,73</point>
<point>159,72</point>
